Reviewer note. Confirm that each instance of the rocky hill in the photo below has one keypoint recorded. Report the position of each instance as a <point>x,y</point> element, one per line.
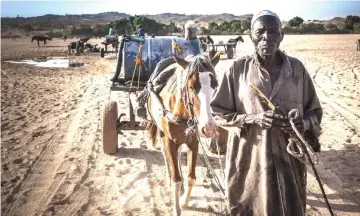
<point>103,18</point>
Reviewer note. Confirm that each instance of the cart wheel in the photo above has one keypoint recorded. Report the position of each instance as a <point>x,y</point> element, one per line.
<point>102,52</point>
<point>230,52</point>
<point>212,53</point>
<point>204,47</point>
<point>109,130</point>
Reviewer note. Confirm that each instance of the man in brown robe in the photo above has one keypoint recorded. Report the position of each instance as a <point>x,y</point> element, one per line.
<point>262,178</point>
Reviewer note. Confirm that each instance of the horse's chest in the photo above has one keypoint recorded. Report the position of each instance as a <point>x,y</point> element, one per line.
<point>176,133</point>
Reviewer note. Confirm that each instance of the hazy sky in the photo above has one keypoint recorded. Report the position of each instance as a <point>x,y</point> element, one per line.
<point>286,9</point>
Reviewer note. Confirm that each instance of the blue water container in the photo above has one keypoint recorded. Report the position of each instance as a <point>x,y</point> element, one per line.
<point>188,47</point>
<point>154,50</point>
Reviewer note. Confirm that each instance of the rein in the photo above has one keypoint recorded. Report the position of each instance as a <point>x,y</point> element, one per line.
<point>191,123</point>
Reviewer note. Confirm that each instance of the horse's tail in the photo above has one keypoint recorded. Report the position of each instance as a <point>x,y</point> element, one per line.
<point>152,131</point>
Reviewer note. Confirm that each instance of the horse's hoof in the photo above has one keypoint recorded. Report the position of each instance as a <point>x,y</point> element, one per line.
<point>176,213</point>
<point>183,202</point>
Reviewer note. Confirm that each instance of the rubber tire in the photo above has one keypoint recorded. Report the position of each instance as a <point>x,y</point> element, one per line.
<point>212,53</point>
<point>108,127</point>
<point>230,52</point>
<point>203,47</point>
<point>102,52</point>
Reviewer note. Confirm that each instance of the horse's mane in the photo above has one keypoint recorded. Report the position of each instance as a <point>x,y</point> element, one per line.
<point>197,64</point>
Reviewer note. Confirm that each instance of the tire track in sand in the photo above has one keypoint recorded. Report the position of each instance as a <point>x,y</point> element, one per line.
<point>42,180</point>
<point>75,193</point>
<point>350,116</point>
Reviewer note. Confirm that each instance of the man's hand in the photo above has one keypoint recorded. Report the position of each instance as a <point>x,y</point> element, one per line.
<point>266,120</point>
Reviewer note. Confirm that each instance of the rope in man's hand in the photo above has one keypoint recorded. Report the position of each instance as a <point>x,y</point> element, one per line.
<point>293,114</point>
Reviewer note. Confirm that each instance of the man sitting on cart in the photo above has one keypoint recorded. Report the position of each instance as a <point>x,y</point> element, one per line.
<point>140,32</point>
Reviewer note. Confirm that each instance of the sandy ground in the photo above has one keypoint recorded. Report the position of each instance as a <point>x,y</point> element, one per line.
<point>52,162</point>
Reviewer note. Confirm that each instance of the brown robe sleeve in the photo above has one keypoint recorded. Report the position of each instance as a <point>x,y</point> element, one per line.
<point>223,103</point>
<point>312,112</point>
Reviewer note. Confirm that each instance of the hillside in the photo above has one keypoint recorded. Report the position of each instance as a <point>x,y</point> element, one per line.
<point>61,21</point>
<point>92,23</point>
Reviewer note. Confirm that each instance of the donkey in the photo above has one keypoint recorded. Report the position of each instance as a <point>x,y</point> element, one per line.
<point>41,38</point>
<point>78,46</point>
<point>235,41</point>
<point>358,45</point>
<point>180,114</point>
<point>204,41</point>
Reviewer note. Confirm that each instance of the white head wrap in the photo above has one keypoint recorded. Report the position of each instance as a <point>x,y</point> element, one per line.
<point>264,13</point>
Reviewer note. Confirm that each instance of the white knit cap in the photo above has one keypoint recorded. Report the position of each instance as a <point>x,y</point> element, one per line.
<point>264,13</point>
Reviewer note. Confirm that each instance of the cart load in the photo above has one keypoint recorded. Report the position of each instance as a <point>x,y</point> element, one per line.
<point>111,38</point>
<point>138,60</point>
<point>138,57</point>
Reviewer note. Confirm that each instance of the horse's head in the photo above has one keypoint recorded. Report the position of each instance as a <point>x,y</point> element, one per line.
<point>33,38</point>
<point>209,39</point>
<point>198,86</point>
<point>239,38</point>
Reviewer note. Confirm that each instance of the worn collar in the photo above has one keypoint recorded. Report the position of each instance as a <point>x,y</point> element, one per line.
<point>285,68</point>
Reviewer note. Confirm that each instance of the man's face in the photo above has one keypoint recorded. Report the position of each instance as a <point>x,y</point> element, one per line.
<point>266,35</point>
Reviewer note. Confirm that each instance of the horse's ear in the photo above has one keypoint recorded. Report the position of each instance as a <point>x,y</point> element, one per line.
<point>215,59</point>
<point>182,62</point>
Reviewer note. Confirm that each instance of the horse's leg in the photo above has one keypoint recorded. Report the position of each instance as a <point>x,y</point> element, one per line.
<point>181,192</point>
<point>192,155</point>
<point>235,48</point>
<point>166,162</point>
<point>44,42</point>
<point>38,43</point>
<point>170,150</point>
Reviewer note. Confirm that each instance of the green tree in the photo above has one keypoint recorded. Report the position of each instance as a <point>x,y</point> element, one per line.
<point>246,24</point>
<point>350,21</point>
<point>331,27</point>
<point>312,28</point>
<point>236,26</point>
<point>171,28</point>
<point>121,26</point>
<point>203,30</point>
<point>296,21</point>
<point>100,30</point>
<point>213,26</point>
<point>225,26</point>
<point>357,28</point>
<point>27,27</point>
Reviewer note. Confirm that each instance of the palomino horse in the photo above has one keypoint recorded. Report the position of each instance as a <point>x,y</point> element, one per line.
<point>180,113</point>
<point>40,38</point>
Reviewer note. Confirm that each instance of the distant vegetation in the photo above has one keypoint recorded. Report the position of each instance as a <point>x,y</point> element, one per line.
<point>297,25</point>
<point>165,24</point>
